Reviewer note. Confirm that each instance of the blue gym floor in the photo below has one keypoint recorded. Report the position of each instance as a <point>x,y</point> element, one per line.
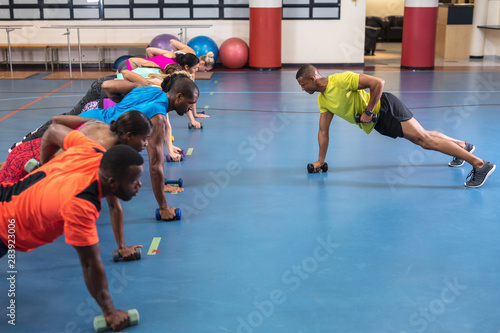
<point>389,240</point>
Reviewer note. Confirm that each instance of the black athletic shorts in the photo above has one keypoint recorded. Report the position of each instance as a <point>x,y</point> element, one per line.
<point>392,113</point>
<point>3,249</point>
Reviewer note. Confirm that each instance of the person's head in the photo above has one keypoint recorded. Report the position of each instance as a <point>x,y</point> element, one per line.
<point>181,91</point>
<point>188,62</point>
<point>119,172</point>
<point>133,128</point>
<point>170,68</point>
<point>207,62</point>
<point>307,76</point>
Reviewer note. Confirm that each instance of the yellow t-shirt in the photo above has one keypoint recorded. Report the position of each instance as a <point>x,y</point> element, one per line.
<point>343,98</point>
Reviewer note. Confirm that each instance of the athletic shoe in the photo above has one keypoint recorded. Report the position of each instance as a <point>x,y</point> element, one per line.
<point>458,162</point>
<point>479,175</point>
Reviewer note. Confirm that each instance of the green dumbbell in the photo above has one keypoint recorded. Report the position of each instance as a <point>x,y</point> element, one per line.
<point>100,324</point>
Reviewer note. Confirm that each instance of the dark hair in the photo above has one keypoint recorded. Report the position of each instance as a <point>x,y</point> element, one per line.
<point>170,68</point>
<point>305,71</point>
<point>180,83</point>
<point>117,159</point>
<point>188,59</point>
<point>133,122</point>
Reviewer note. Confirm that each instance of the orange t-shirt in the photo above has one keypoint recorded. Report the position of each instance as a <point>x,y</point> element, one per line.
<point>61,197</point>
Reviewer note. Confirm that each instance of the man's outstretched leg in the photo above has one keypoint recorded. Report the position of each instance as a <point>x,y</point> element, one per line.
<point>432,140</point>
<point>456,162</point>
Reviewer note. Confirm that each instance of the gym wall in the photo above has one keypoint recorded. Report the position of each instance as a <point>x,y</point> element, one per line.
<point>331,41</point>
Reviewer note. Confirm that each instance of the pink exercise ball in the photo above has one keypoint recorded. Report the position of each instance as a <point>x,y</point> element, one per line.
<point>234,53</point>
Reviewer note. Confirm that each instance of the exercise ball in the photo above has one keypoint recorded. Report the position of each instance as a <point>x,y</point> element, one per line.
<point>234,53</point>
<point>119,60</point>
<point>163,42</point>
<point>202,45</point>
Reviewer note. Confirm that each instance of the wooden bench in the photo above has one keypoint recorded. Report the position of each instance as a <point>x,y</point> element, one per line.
<point>101,47</point>
<point>26,46</point>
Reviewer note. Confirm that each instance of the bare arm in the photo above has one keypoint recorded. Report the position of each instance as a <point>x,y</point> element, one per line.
<point>135,78</point>
<point>179,46</point>
<point>157,161</point>
<point>376,87</point>
<point>52,141</point>
<point>324,135</point>
<point>117,89</point>
<point>116,217</point>
<point>97,284</point>
<point>154,51</point>
<point>168,143</point>
<point>70,121</point>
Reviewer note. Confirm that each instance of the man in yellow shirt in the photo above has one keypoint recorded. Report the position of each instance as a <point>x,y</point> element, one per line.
<point>343,94</point>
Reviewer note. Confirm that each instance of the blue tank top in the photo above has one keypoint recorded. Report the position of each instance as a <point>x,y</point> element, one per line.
<point>148,100</point>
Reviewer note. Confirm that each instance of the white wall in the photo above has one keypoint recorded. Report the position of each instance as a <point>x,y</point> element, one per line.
<point>383,8</point>
<point>492,41</point>
<point>303,41</point>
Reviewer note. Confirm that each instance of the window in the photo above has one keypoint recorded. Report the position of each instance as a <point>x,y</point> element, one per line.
<point>158,9</point>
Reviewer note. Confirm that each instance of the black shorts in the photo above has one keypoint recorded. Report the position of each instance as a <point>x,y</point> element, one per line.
<point>392,113</point>
<point>3,249</point>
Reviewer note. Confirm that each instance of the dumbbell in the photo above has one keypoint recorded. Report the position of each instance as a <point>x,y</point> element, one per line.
<point>169,159</point>
<point>174,182</point>
<point>190,126</point>
<point>200,112</point>
<point>176,218</point>
<point>310,167</point>
<point>100,324</point>
<point>374,118</point>
<point>117,256</point>
<point>31,165</point>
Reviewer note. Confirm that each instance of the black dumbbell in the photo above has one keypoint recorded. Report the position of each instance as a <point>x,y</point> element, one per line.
<point>190,126</point>
<point>100,324</point>
<point>169,159</point>
<point>178,182</point>
<point>310,167</point>
<point>374,118</point>
<point>176,218</point>
<point>117,256</point>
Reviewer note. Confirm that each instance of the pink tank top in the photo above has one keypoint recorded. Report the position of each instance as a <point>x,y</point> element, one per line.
<point>160,60</point>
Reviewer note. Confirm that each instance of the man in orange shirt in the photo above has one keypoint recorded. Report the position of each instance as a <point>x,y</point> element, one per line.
<point>64,196</point>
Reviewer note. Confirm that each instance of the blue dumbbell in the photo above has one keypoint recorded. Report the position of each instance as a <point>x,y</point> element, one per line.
<point>169,159</point>
<point>200,112</point>
<point>176,218</point>
<point>174,182</point>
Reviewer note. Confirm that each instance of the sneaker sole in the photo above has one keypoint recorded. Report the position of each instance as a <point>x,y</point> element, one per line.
<point>487,176</point>
<point>459,165</point>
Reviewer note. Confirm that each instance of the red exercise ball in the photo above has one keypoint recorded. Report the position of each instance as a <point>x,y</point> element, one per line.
<point>234,53</point>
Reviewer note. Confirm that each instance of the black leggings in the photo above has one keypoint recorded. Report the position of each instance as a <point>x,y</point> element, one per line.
<point>93,94</point>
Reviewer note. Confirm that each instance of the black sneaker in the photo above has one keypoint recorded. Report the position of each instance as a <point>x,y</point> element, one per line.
<point>458,162</point>
<point>479,175</point>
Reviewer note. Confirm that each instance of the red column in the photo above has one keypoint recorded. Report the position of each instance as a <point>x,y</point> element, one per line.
<point>265,34</point>
<point>419,34</point>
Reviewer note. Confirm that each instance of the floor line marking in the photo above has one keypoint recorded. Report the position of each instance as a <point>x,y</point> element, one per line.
<point>189,151</point>
<point>153,248</point>
<point>38,99</point>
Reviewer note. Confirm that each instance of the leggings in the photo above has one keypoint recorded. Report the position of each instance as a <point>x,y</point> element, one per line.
<point>94,93</point>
